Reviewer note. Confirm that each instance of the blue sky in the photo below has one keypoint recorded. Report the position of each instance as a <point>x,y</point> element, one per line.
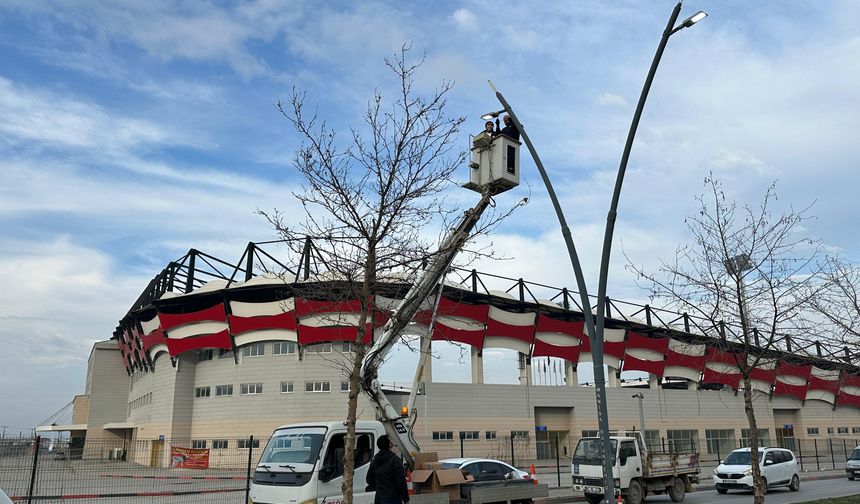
<point>132,131</point>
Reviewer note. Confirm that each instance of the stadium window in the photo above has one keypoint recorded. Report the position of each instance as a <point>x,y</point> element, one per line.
<point>720,441</point>
<point>201,392</point>
<point>812,431</point>
<point>589,433</point>
<point>469,435</point>
<point>317,386</point>
<point>443,435</point>
<point>219,444</point>
<point>842,430</point>
<point>244,444</point>
<point>318,348</point>
<point>254,350</point>
<point>251,388</point>
<point>225,354</point>
<point>520,434</point>
<point>830,430</point>
<point>763,437</point>
<point>284,348</point>
<point>198,444</point>
<point>855,430</point>
<point>204,355</point>
<point>347,346</point>
<point>653,441</point>
<point>683,440</point>
<point>490,434</point>
<point>286,387</point>
<point>223,390</point>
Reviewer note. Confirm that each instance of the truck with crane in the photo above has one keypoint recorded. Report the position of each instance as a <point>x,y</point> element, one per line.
<point>303,463</point>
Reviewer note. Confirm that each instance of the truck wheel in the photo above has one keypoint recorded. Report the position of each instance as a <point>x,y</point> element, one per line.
<point>677,490</point>
<point>634,493</point>
<point>593,498</point>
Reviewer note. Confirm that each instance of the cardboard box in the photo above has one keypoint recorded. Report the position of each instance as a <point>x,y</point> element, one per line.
<point>447,481</point>
<point>423,458</point>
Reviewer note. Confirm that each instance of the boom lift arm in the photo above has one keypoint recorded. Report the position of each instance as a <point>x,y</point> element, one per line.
<point>399,429</point>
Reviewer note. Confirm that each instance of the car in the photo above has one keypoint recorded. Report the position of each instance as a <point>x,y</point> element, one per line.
<point>4,499</point>
<point>778,468</point>
<point>852,465</point>
<point>485,469</point>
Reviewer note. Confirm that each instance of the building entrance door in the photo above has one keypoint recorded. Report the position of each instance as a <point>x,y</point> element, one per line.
<point>545,443</point>
<point>157,453</point>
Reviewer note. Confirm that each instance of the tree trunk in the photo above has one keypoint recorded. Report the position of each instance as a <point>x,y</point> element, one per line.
<point>351,414</point>
<point>758,492</point>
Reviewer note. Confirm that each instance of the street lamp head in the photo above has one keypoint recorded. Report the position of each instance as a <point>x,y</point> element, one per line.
<point>695,18</point>
<point>640,395</point>
<point>491,115</point>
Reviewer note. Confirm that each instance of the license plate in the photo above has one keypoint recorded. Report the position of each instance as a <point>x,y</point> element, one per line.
<point>730,482</point>
<point>594,489</point>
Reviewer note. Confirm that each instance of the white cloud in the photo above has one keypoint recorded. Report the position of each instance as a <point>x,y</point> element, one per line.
<point>465,19</point>
<point>611,100</point>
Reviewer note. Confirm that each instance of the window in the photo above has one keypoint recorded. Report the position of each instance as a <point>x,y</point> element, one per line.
<point>520,434</point>
<point>201,392</point>
<point>317,386</point>
<point>653,441</point>
<point>787,455</point>
<point>443,435</point>
<point>683,440</point>
<point>470,435</point>
<point>284,348</point>
<point>763,437</point>
<point>254,350</point>
<point>720,441</point>
<point>204,355</point>
<point>344,386</point>
<point>332,466</point>
<point>223,390</point>
<point>219,444</point>
<point>318,348</point>
<point>198,444</point>
<point>842,430</point>
<point>589,433</point>
<point>830,430</point>
<point>628,449</point>
<point>251,388</point>
<point>225,354</point>
<point>855,430</point>
<point>812,431</point>
<point>244,444</point>
<point>511,159</point>
<point>490,434</point>
<point>347,346</point>
<point>286,387</point>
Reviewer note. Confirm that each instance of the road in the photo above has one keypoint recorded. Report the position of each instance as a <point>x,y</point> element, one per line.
<point>809,491</point>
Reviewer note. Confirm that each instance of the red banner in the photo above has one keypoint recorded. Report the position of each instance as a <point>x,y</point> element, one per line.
<point>189,458</point>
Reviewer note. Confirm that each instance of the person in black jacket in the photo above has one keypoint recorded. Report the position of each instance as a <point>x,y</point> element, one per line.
<point>386,475</point>
<point>510,129</point>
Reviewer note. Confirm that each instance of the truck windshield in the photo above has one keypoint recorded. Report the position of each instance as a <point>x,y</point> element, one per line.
<point>588,451</point>
<point>295,447</point>
<point>740,458</point>
<point>855,455</point>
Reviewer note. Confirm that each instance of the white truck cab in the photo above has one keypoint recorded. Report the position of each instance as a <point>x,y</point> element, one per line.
<point>303,464</point>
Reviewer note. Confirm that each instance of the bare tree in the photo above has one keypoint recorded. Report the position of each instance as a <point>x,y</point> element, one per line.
<point>368,201</point>
<point>837,307</point>
<point>748,274</point>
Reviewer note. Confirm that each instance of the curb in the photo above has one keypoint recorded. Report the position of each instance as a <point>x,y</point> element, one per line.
<point>22,498</point>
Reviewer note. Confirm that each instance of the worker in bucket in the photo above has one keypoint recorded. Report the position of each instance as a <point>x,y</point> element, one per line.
<point>386,475</point>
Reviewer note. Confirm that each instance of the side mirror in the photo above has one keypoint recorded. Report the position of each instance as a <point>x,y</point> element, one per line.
<point>722,461</point>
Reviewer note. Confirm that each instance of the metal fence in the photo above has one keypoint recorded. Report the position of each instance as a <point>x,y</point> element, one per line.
<point>109,470</point>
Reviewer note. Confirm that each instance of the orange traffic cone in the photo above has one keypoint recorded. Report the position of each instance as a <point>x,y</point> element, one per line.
<point>533,474</point>
<point>620,500</point>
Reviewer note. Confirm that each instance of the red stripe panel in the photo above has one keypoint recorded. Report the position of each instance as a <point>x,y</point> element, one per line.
<point>308,335</point>
<point>763,375</point>
<point>849,400</point>
<point>816,383</point>
<point>473,338</point>
<point>156,337</point>
<point>241,325</point>
<point>732,380</point>
<point>850,380</point>
<point>568,353</point>
<point>213,314</point>
<point>549,324</point>
<point>654,367</point>
<point>220,339</point>
<point>522,333</point>
<point>305,307</point>
<point>782,388</point>
<point>612,348</point>
<point>636,340</point>
<point>802,371</point>
<point>714,355</point>
<point>695,362</point>
<point>450,308</point>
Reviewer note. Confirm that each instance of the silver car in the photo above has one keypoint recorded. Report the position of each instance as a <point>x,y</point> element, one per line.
<point>852,465</point>
<point>485,469</point>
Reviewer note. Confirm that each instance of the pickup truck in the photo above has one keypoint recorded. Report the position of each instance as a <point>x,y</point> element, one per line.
<point>636,470</point>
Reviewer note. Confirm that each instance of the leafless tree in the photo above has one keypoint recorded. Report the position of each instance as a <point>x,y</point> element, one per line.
<point>368,201</point>
<point>748,274</point>
<point>837,307</point>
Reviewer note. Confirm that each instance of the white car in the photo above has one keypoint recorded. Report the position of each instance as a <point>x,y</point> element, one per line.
<point>485,469</point>
<point>852,465</point>
<point>778,468</point>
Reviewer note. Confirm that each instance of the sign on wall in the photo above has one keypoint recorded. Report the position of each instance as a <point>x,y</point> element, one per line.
<point>189,458</point>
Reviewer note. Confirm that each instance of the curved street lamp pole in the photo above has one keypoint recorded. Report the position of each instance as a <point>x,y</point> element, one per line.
<point>595,329</point>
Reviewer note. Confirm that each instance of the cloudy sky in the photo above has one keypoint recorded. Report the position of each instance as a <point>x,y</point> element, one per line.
<point>133,131</point>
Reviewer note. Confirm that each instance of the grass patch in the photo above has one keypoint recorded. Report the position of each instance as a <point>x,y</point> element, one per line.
<point>851,499</point>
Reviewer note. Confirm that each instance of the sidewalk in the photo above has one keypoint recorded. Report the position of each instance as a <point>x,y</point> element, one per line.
<point>564,493</point>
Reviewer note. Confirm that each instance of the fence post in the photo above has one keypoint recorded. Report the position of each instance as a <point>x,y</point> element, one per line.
<point>33,472</point>
<point>832,458</point>
<point>800,452</point>
<point>462,437</point>
<point>557,460</point>
<point>248,478</point>
<point>844,448</point>
<point>513,458</point>
<point>815,444</point>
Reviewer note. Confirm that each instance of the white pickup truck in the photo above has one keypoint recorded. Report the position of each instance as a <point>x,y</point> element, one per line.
<point>636,470</point>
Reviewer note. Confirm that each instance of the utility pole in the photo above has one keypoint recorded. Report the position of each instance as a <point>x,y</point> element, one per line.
<point>641,396</point>
<point>3,436</point>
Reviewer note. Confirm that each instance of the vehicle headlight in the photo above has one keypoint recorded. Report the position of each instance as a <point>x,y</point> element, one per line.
<point>748,472</point>
<point>715,472</point>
